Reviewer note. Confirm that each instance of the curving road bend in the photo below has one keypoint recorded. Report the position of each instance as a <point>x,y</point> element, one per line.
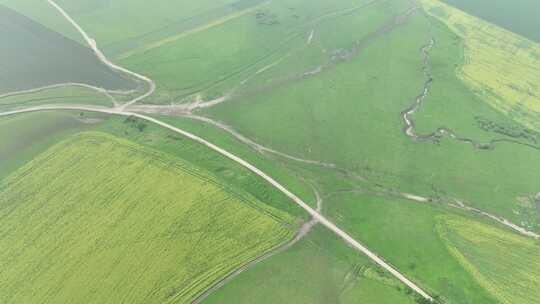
<point>93,45</point>
<point>315,214</point>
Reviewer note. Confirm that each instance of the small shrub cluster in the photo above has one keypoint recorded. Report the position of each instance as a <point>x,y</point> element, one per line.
<point>513,131</point>
<point>266,18</point>
<point>136,123</point>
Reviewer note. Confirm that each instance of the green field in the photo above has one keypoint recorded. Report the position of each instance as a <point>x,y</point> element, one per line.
<point>36,56</point>
<point>519,16</point>
<point>507,265</point>
<point>95,232</point>
<point>319,269</point>
<point>124,25</point>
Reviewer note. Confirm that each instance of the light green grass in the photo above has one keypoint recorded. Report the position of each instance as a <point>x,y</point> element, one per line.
<point>506,264</point>
<point>96,219</point>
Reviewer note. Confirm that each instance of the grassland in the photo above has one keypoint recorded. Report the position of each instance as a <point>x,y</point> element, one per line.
<point>319,269</point>
<point>237,12</point>
<point>500,66</point>
<point>218,60</point>
<point>34,56</point>
<point>123,25</point>
<point>506,265</point>
<point>518,16</point>
<point>70,235</point>
<point>360,114</point>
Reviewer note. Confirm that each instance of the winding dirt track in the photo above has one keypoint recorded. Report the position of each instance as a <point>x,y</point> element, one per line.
<point>93,45</point>
<point>103,91</point>
<point>316,215</point>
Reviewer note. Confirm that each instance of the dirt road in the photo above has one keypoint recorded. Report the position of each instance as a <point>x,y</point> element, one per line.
<point>93,45</point>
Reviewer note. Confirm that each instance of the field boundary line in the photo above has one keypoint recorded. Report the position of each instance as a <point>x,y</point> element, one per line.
<point>201,28</point>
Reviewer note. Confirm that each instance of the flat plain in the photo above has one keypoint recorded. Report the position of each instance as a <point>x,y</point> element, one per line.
<point>316,94</point>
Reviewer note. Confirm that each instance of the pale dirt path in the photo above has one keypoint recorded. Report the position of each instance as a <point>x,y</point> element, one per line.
<point>67,84</point>
<point>460,205</point>
<point>314,213</point>
<point>501,220</point>
<point>310,37</point>
<point>93,45</point>
<point>103,91</point>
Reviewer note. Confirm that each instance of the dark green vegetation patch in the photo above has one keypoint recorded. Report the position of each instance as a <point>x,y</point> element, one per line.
<point>36,56</point>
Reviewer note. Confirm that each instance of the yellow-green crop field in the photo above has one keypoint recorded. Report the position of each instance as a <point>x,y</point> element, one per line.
<point>500,66</point>
<point>505,264</point>
<point>97,219</point>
